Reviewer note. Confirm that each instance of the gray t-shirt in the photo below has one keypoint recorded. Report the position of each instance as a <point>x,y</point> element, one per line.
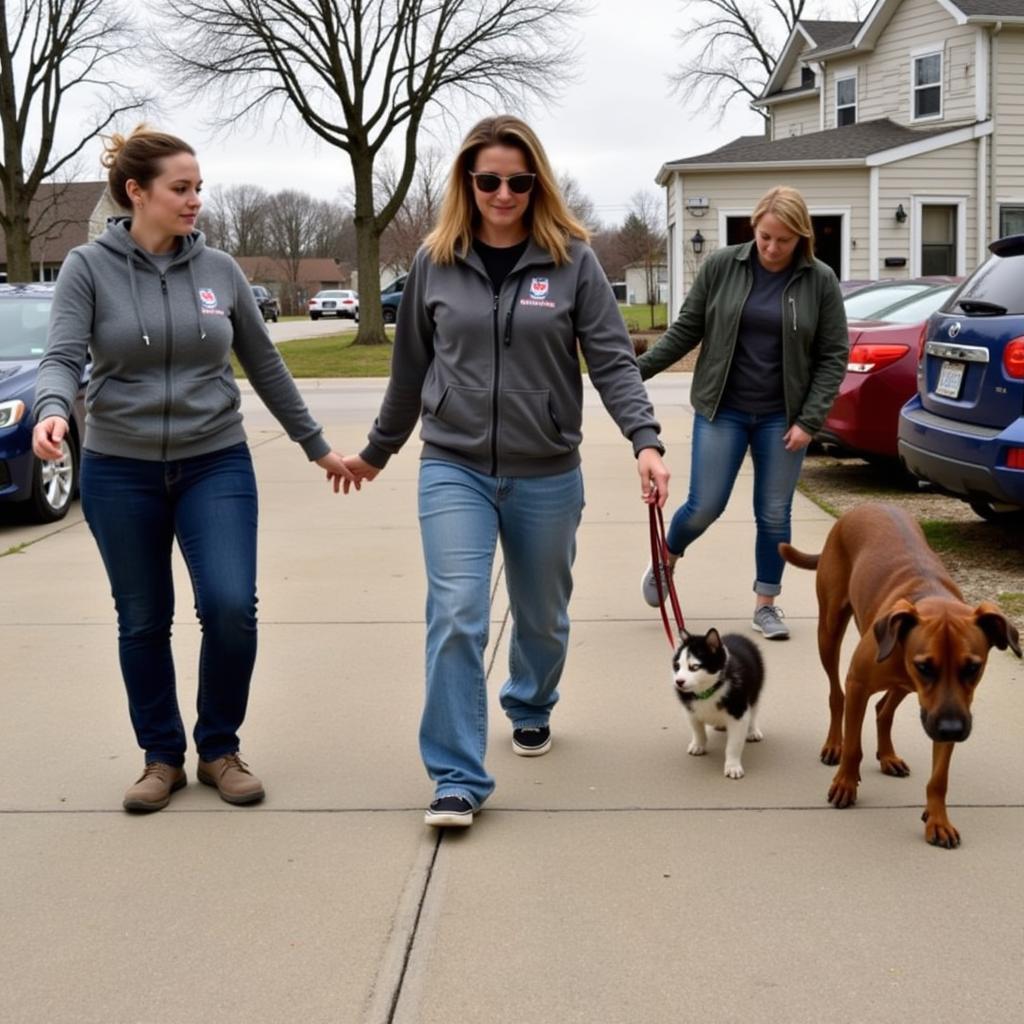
<point>754,384</point>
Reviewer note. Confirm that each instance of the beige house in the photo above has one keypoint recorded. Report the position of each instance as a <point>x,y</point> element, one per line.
<point>904,132</point>
<point>62,216</point>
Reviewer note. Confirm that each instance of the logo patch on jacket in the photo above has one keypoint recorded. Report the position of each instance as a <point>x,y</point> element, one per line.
<point>208,298</point>
<point>539,288</point>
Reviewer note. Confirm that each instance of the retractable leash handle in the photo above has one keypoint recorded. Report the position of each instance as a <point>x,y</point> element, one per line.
<point>662,577</point>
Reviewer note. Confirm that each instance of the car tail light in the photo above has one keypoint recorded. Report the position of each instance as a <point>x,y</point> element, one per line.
<point>865,357</point>
<point>1013,358</point>
<point>1015,458</point>
<point>921,340</point>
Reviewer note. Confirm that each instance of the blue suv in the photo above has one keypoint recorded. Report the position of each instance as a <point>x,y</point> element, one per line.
<point>964,429</point>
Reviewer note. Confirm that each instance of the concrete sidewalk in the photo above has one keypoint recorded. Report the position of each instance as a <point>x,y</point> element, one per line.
<point>614,880</point>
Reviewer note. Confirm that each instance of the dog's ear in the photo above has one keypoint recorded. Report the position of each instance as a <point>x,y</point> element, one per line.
<point>894,626</point>
<point>997,627</point>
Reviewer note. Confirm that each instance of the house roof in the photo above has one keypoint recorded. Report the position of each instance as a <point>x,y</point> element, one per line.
<point>827,34</point>
<point>850,143</point>
<point>59,216</point>
<point>990,8</point>
<point>310,270</point>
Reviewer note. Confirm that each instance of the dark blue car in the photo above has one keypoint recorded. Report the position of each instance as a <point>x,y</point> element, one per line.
<point>47,488</point>
<point>964,429</point>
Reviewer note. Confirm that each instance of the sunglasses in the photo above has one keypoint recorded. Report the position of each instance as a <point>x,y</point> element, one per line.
<point>487,182</point>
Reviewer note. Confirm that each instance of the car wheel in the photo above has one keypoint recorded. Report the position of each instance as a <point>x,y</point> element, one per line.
<point>389,314</point>
<point>54,484</point>
<point>996,512</point>
<point>274,318</point>
<point>314,316</point>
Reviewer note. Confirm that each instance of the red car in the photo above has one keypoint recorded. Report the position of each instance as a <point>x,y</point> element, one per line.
<point>880,376</point>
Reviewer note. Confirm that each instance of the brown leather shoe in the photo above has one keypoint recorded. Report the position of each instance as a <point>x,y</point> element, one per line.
<point>231,775</point>
<point>152,790</point>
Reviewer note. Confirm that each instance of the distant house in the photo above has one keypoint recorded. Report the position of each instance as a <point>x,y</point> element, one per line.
<point>295,282</point>
<point>904,132</point>
<point>636,275</point>
<point>63,216</point>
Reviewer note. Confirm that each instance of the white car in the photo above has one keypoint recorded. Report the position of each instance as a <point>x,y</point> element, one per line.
<point>334,303</point>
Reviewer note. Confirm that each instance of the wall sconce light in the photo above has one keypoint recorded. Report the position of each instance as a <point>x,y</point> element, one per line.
<point>697,242</point>
<point>901,214</point>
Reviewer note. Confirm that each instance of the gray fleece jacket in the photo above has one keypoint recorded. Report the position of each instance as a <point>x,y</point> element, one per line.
<point>161,386</point>
<point>496,378</point>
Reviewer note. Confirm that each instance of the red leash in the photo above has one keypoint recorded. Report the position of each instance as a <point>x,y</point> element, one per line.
<point>659,561</point>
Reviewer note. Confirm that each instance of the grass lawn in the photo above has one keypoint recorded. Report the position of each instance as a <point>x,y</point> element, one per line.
<point>333,355</point>
<point>638,318</point>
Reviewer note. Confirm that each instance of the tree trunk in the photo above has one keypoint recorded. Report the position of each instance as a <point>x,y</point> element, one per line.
<point>371,316</point>
<point>19,240</point>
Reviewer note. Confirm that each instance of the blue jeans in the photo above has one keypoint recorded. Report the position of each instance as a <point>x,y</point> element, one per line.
<point>463,514</point>
<point>718,450</point>
<point>135,509</point>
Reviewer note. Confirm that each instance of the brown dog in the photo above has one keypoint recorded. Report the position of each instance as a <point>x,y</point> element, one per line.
<point>876,566</point>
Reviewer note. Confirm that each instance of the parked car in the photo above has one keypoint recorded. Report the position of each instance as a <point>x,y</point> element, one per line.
<point>869,302</point>
<point>336,302</point>
<point>964,428</point>
<point>881,375</point>
<point>46,488</point>
<point>267,303</point>
<point>391,298</point>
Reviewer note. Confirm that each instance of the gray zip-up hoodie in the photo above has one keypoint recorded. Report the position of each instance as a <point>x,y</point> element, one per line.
<point>496,378</point>
<point>161,386</point>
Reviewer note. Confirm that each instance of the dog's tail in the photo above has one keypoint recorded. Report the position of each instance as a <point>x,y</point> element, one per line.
<point>798,558</point>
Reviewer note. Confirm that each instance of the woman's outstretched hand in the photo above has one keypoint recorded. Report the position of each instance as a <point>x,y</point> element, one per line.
<point>47,437</point>
<point>360,469</point>
<point>654,477</point>
<point>338,473</point>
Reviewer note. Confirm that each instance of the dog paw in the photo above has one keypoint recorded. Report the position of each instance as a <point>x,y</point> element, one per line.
<point>842,793</point>
<point>940,832</point>
<point>734,771</point>
<point>696,749</point>
<point>829,754</point>
<point>755,736</point>
<point>894,766</point>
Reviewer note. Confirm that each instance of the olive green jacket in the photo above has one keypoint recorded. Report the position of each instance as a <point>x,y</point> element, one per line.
<point>815,343</point>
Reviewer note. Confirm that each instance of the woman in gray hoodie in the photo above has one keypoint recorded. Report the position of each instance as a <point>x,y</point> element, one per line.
<point>496,309</point>
<point>164,454</point>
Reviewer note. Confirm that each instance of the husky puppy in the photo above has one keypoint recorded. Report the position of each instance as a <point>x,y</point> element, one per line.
<point>719,679</point>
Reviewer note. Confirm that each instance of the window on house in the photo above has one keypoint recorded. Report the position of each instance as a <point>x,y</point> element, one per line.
<point>846,101</point>
<point>1011,220</point>
<point>928,86</point>
<point>938,239</point>
<point>806,78</point>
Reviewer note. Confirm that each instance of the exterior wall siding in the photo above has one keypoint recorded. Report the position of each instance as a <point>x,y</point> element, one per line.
<point>1007,142</point>
<point>798,117</point>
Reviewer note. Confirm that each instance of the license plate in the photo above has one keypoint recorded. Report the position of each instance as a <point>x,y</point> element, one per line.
<point>951,378</point>
<point>328,305</point>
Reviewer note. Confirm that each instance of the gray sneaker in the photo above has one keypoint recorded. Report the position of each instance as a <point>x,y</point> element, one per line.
<point>768,621</point>
<point>648,586</point>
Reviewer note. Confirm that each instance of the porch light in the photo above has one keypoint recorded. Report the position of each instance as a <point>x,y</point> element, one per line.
<point>697,242</point>
<point>901,214</point>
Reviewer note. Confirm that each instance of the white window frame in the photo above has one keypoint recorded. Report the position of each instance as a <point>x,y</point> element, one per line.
<point>845,77</point>
<point>960,202</point>
<point>919,53</point>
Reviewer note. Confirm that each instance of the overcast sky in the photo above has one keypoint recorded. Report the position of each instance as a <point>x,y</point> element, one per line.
<point>611,130</point>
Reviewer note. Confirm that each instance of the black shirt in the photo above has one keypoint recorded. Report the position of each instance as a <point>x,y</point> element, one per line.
<point>498,262</point>
<point>754,384</point>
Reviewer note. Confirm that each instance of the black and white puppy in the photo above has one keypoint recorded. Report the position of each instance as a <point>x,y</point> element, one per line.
<point>719,680</point>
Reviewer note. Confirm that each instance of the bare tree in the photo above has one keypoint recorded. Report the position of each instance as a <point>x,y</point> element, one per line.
<point>334,234</point>
<point>292,219</point>
<point>579,202</point>
<point>642,240</point>
<point>48,50</point>
<point>239,215</point>
<point>737,44</point>
<point>364,73</point>
<point>419,210</point>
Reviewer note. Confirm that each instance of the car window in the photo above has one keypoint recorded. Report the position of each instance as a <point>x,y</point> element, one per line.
<point>23,324</point>
<point>997,282</point>
<point>864,305</point>
<point>918,309</point>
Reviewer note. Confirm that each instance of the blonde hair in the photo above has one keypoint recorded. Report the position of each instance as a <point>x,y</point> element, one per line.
<point>547,217</point>
<point>788,206</point>
<point>137,156</point>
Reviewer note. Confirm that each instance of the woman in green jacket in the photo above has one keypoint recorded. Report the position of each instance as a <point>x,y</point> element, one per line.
<point>770,321</point>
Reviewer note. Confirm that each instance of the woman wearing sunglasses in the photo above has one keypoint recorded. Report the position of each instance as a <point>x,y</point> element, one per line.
<point>486,356</point>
